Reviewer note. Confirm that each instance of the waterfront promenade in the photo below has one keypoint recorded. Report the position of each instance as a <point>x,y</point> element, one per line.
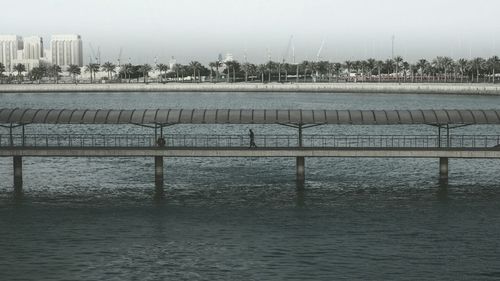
<point>402,88</point>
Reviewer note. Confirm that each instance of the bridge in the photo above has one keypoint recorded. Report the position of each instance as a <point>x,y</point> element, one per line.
<point>15,143</point>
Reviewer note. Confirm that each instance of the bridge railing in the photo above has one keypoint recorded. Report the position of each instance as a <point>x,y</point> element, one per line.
<point>263,141</point>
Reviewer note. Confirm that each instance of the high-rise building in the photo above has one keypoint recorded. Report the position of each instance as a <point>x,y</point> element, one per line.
<point>9,47</point>
<point>33,48</point>
<point>66,50</point>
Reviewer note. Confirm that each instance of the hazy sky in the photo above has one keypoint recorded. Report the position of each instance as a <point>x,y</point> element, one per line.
<point>201,29</point>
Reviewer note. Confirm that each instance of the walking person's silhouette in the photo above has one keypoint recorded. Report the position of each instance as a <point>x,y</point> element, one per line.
<point>252,139</point>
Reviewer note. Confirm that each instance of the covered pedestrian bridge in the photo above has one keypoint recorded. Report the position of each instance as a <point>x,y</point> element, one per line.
<point>16,143</point>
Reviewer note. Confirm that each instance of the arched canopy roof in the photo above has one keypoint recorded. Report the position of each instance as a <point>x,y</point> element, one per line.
<point>247,116</point>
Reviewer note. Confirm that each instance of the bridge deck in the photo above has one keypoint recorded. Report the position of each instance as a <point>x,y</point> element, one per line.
<point>246,152</point>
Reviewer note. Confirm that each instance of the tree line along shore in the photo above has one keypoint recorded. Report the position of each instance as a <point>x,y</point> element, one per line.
<point>438,70</point>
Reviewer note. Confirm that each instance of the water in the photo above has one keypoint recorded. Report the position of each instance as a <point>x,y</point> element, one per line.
<point>242,219</point>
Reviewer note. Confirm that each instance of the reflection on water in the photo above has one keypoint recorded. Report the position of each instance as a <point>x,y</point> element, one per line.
<point>442,192</point>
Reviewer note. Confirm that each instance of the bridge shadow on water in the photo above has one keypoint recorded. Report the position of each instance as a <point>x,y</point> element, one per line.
<point>442,190</point>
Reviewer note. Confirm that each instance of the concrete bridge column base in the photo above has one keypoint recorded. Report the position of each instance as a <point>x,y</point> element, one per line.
<point>301,171</point>
<point>159,192</point>
<point>443,168</point>
<point>18,174</point>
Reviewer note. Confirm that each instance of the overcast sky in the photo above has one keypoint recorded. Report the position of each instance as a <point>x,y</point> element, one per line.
<point>201,29</point>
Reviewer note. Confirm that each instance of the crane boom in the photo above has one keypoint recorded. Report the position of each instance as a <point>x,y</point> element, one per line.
<point>120,56</point>
<point>287,52</point>
<point>93,53</point>
<point>320,49</point>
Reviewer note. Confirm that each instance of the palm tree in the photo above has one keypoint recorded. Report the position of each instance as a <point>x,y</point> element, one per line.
<point>462,67</point>
<point>252,70</point>
<point>271,66</point>
<point>74,70</point>
<point>356,66</point>
<point>54,71</point>
<point>246,67</point>
<point>19,68</point>
<point>371,64</point>
<point>287,68</point>
<point>348,65</point>
<point>478,65</point>
<point>127,70</point>
<point>330,67</point>
<point>405,67</point>
<point>493,65</point>
<point>92,68</point>
<point>162,68</point>
<point>389,66</point>
<point>176,68</point>
<point>447,64</point>
<point>183,70</point>
<point>228,65</point>
<point>422,66</point>
<point>109,68</point>
<point>262,68</point>
<point>380,65</point>
<point>397,62</point>
<point>305,65</point>
<point>414,72</point>
<point>216,64</point>
<point>2,70</point>
<point>313,67</point>
<point>236,67</point>
<point>37,73</point>
<point>195,66</point>
<point>145,69</point>
<point>212,65</point>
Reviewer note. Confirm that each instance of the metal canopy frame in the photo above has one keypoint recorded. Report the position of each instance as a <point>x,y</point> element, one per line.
<point>158,119</point>
<point>11,127</point>
<point>249,116</point>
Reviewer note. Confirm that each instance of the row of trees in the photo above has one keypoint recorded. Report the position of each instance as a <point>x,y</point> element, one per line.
<point>443,69</point>
<point>36,73</point>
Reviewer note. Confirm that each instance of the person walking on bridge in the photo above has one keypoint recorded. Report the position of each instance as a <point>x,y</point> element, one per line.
<point>252,139</point>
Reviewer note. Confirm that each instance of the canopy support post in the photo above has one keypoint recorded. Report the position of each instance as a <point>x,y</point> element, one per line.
<point>439,136</point>
<point>23,139</point>
<point>448,143</point>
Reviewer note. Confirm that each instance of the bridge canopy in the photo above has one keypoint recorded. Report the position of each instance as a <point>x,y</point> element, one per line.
<point>248,116</point>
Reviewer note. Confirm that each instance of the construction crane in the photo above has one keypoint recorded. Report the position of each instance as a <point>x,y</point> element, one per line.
<point>288,47</point>
<point>320,49</point>
<point>92,54</point>
<point>120,57</point>
<point>96,56</point>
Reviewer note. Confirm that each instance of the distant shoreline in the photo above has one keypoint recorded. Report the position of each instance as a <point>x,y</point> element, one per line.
<point>389,88</point>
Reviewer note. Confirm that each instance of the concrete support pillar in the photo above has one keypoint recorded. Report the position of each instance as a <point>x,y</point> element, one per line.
<point>301,171</point>
<point>18,174</point>
<point>159,192</point>
<point>443,168</point>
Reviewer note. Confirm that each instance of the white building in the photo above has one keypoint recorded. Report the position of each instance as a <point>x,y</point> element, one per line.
<point>33,48</point>
<point>66,50</point>
<point>9,47</point>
